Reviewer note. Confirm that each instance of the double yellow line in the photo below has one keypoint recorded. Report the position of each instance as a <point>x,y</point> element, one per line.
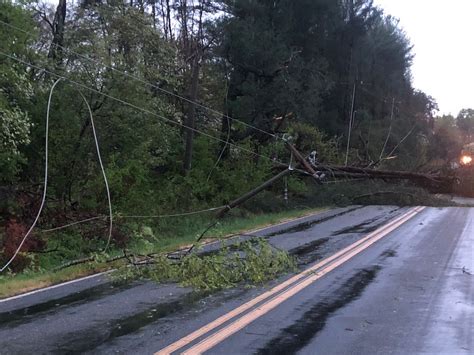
<point>281,292</point>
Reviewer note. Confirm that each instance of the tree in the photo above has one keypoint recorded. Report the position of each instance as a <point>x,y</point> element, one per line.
<point>465,122</point>
<point>446,140</point>
<point>16,91</point>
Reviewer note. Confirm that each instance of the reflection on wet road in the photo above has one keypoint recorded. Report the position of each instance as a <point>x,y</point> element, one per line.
<point>410,286</point>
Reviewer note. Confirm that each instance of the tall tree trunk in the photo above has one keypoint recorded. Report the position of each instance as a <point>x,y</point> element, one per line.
<point>153,12</point>
<point>55,50</point>
<point>190,118</point>
<point>168,20</point>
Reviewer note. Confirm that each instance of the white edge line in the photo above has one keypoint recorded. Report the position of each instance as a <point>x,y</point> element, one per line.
<point>54,286</point>
<point>107,272</point>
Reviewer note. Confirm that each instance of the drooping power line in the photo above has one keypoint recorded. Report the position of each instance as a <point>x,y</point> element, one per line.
<point>126,103</point>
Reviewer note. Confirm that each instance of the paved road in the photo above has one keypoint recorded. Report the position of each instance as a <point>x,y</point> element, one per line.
<point>409,292</point>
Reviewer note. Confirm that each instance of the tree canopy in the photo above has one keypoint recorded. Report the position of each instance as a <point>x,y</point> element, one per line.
<point>192,97</point>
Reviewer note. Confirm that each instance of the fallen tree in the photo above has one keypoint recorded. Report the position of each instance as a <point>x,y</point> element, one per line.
<point>435,182</point>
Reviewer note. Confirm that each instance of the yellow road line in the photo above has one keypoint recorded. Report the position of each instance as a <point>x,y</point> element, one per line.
<point>326,266</point>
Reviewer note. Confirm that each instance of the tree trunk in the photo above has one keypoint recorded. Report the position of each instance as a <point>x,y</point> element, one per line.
<point>55,50</point>
<point>190,118</point>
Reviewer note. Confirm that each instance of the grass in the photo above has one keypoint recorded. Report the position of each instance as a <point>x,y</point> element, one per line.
<point>183,234</point>
<point>172,234</point>
<point>28,281</point>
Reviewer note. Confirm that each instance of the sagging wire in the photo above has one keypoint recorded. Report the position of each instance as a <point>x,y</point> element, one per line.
<point>120,216</point>
<point>222,151</point>
<point>73,224</point>
<point>183,98</point>
<point>109,237</point>
<point>173,215</point>
<point>45,187</point>
<point>126,103</point>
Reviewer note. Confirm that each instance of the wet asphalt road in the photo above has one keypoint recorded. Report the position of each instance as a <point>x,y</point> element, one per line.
<point>411,292</point>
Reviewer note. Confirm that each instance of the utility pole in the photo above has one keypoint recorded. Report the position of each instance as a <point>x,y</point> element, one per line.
<point>351,118</point>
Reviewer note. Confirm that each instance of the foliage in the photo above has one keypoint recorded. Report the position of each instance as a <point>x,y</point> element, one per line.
<point>284,67</point>
<point>16,90</point>
<point>249,263</point>
<point>465,123</point>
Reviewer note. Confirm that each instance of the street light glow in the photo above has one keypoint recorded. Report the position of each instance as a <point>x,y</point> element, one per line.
<point>466,160</point>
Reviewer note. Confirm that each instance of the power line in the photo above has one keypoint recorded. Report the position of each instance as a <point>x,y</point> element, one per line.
<point>146,82</point>
<point>384,100</point>
<point>120,216</point>
<point>73,224</point>
<point>173,215</point>
<point>103,171</point>
<point>46,176</point>
<point>43,198</point>
<point>137,107</point>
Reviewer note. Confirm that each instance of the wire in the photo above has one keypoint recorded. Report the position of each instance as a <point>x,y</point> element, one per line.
<point>43,199</point>
<point>109,237</point>
<point>221,153</point>
<point>119,216</point>
<point>72,224</point>
<point>46,180</point>
<point>146,82</point>
<point>382,100</point>
<point>174,215</point>
<point>135,106</point>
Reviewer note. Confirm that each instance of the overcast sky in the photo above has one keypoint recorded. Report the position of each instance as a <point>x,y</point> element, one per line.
<point>441,32</point>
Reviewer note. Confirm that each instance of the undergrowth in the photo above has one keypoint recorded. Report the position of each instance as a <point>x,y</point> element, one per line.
<point>248,263</point>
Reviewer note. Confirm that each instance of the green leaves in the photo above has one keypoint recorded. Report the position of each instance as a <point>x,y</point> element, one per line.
<point>15,91</point>
<point>249,263</point>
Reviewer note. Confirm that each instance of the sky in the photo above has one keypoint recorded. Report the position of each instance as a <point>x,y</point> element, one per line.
<point>441,32</point>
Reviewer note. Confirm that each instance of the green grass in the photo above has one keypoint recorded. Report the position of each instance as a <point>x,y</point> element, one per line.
<point>173,235</point>
<point>164,235</point>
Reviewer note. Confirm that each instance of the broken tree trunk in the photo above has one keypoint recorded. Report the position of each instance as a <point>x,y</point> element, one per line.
<point>426,180</point>
<point>434,182</point>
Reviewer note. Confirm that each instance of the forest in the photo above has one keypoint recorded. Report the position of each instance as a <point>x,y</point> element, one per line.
<point>190,103</point>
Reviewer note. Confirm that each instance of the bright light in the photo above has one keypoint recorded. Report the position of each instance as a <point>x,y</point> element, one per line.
<point>466,160</point>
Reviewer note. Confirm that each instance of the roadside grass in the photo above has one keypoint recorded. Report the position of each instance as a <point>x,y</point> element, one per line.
<point>174,235</point>
<point>165,235</point>
<point>11,285</point>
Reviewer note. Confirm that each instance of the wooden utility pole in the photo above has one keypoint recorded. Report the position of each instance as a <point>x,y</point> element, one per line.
<point>307,166</point>
<point>302,161</point>
<point>252,193</point>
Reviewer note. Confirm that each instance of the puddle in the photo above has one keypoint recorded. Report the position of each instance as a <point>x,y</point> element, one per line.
<point>309,252</point>
<point>24,314</point>
<point>389,253</point>
<point>89,339</point>
<point>301,332</point>
<point>364,227</point>
<point>307,225</point>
